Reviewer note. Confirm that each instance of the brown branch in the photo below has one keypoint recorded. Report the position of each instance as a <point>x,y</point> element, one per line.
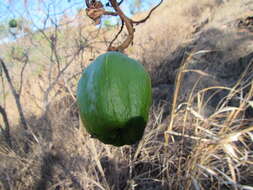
<point>149,14</point>
<point>87,2</point>
<point>3,87</point>
<point>129,26</point>
<point>7,126</point>
<point>117,35</point>
<point>15,94</point>
<point>22,74</point>
<point>17,100</point>
<point>119,3</point>
<point>95,10</point>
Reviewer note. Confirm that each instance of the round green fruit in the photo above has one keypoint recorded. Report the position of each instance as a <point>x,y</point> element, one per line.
<point>114,97</point>
<point>13,23</point>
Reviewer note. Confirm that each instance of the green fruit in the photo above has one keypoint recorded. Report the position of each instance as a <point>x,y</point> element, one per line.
<point>114,97</point>
<point>13,23</point>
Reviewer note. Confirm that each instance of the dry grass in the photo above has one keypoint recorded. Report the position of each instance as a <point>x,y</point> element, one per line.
<point>171,27</point>
<point>184,150</point>
<point>201,152</point>
<point>217,150</point>
<point>67,157</point>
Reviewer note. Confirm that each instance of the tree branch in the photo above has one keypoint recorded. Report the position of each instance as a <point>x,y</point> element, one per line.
<point>117,35</point>
<point>17,100</point>
<point>7,127</point>
<point>22,74</point>
<point>95,10</point>
<point>15,94</point>
<point>119,3</point>
<point>129,26</point>
<point>87,2</point>
<point>149,14</point>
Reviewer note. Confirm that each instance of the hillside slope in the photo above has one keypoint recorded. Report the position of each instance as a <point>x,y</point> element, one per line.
<point>223,30</point>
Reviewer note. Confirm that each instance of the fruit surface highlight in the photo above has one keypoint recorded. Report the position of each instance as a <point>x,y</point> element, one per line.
<point>114,97</point>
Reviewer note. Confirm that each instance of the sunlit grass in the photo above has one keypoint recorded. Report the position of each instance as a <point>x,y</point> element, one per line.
<point>221,143</point>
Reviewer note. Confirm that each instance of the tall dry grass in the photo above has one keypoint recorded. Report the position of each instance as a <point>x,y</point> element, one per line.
<point>197,151</point>
<point>184,150</point>
<point>216,149</point>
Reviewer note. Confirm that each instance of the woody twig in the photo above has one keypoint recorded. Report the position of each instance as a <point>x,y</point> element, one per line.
<point>95,10</point>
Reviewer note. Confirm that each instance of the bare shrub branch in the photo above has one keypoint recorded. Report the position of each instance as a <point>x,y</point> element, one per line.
<point>6,130</point>
<point>95,10</point>
<point>15,94</point>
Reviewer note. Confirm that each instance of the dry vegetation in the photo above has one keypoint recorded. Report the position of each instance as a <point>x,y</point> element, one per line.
<point>199,134</point>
